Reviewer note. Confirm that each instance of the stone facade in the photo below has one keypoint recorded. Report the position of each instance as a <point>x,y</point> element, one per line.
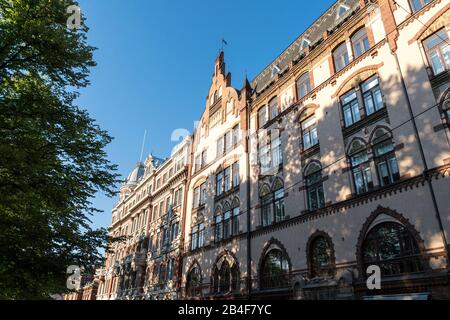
<point>335,158</point>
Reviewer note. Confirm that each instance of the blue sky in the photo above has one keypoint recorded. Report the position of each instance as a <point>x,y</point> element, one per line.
<point>156,59</point>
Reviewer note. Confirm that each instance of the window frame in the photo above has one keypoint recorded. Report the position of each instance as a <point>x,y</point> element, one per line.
<point>303,83</point>
<point>361,38</point>
<point>438,49</point>
<point>341,57</point>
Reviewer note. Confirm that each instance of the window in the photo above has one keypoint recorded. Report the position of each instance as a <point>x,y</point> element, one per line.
<point>235,222</point>
<point>226,221</point>
<point>275,270</point>
<point>194,283</point>
<point>227,179</point>
<point>314,187</point>
<point>418,4</point>
<point>272,205</point>
<point>168,207</point>
<point>320,257</point>
<point>228,141</point>
<point>273,107</point>
<point>438,51</point>
<point>197,236</point>
<point>341,58</point>
<point>350,108</point>
<point>264,155</point>
<point>391,246</point>
<point>203,194</point>
<point>219,183</point>
<point>226,279</point>
<point>373,99</point>
<point>204,158</point>
<point>262,117</point>
<point>362,174</point>
<point>236,179</point>
<point>277,157</point>
<point>161,208</point>
<point>174,231</point>
<point>218,226</point>
<point>235,135</point>
<point>170,269</point>
<point>360,42</point>
<point>446,106</point>
<point>220,147</point>
<point>196,197</point>
<point>303,85</point>
<point>309,133</point>
<point>198,163</point>
<point>385,160</point>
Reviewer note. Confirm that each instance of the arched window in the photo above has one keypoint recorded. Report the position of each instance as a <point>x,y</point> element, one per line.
<point>360,42</point>
<point>275,270</point>
<point>314,186</point>
<point>340,57</point>
<point>273,107</point>
<point>362,174</point>
<point>194,283</point>
<point>226,279</point>
<point>321,257</point>
<point>303,85</point>
<point>384,157</point>
<point>391,246</point>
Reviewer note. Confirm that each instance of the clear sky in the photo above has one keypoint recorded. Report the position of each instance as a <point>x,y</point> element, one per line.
<point>156,59</point>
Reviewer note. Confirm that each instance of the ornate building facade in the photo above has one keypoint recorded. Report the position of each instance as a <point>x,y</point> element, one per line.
<point>335,158</point>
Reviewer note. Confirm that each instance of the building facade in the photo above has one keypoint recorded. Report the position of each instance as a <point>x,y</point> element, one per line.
<point>333,160</point>
<point>144,264</point>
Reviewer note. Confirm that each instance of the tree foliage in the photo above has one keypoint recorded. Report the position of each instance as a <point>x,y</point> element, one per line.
<point>52,153</point>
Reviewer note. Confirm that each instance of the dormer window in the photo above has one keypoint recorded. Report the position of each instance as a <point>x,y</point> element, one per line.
<point>341,11</point>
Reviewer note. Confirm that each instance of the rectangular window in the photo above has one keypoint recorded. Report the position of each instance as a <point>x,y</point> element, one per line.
<point>227,225</point>
<point>228,141</point>
<point>201,235</point>
<point>266,211</point>
<point>168,207</point>
<point>227,179</point>
<point>235,135</point>
<point>279,205</point>
<point>198,236</point>
<point>438,51</point>
<point>173,231</point>
<point>373,99</point>
<point>219,183</point>
<point>262,117</point>
<point>161,208</point>
<point>218,228</point>
<point>277,158</point>
<point>204,158</point>
<point>220,147</point>
<point>273,107</point>
<point>236,213</point>
<point>309,133</point>
<point>236,179</point>
<point>362,173</point>
<point>196,197</point>
<point>198,163</point>
<point>203,194</point>
<point>350,108</point>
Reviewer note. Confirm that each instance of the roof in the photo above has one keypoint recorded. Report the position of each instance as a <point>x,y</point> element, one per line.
<point>312,36</point>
